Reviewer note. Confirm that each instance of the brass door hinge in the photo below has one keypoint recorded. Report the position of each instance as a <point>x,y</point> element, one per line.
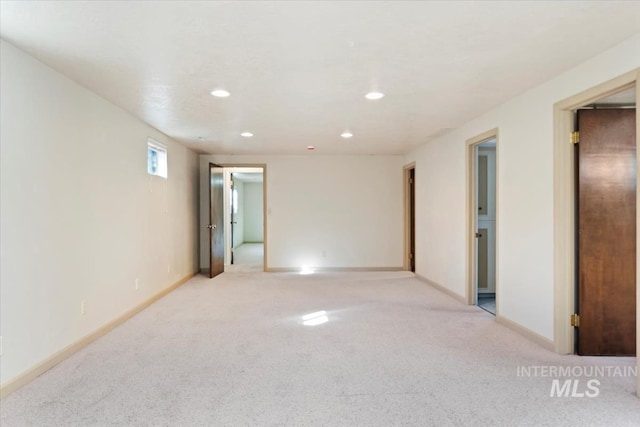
<point>575,137</point>
<point>410,180</point>
<point>410,256</point>
<point>575,320</point>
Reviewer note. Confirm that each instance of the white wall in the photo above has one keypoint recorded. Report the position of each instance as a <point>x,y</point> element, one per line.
<point>525,192</point>
<point>253,212</point>
<point>325,211</point>
<point>80,217</point>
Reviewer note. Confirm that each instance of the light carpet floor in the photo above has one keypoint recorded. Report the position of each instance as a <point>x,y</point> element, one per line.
<point>233,351</point>
<point>248,257</point>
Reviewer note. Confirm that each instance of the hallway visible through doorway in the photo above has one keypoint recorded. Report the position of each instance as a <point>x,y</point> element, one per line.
<point>245,215</point>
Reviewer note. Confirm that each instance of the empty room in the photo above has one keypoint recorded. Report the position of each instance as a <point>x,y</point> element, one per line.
<point>296,213</point>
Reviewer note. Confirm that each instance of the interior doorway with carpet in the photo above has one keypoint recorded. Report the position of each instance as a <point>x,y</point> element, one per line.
<point>245,215</point>
<point>482,218</point>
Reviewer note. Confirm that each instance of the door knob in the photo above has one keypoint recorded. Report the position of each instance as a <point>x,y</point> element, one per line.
<point>478,235</point>
<point>211,227</point>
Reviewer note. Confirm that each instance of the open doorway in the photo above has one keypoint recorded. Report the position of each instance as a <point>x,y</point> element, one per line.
<point>245,239</point>
<point>482,166</point>
<point>485,195</point>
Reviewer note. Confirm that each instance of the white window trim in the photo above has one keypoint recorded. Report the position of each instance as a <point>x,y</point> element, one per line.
<point>152,143</point>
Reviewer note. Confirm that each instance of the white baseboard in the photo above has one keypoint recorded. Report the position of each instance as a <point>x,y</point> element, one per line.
<point>15,383</point>
<point>333,269</point>
<point>516,327</point>
<point>544,342</point>
<point>441,288</point>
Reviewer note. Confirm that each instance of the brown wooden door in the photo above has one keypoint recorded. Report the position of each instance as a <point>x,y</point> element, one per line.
<point>412,219</point>
<point>216,222</point>
<point>607,232</point>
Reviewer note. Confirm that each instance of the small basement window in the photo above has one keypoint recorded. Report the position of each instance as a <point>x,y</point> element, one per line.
<point>156,158</point>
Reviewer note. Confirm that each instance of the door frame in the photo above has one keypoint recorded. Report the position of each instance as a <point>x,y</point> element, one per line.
<point>407,215</point>
<point>263,166</point>
<point>471,293</point>
<point>564,259</point>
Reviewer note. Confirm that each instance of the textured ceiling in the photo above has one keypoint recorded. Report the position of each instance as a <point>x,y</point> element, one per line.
<point>298,71</point>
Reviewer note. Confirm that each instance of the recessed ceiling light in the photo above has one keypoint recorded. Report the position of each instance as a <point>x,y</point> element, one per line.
<point>346,134</point>
<point>310,147</point>
<point>246,134</point>
<point>200,138</point>
<point>220,93</point>
<point>374,95</point>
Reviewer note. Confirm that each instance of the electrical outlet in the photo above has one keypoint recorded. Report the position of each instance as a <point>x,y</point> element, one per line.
<point>83,307</point>
<point>137,286</point>
<point>168,268</point>
<point>0,345</point>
